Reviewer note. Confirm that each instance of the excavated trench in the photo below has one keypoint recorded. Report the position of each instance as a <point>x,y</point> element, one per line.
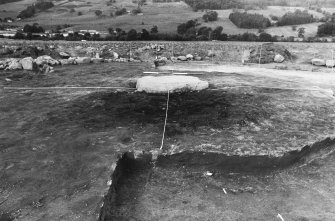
<point>169,182</point>
<point>200,185</point>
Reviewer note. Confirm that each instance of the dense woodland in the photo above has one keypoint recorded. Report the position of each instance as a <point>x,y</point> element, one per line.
<point>246,20</point>
<point>213,4</point>
<point>327,29</point>
<point>296,18</point>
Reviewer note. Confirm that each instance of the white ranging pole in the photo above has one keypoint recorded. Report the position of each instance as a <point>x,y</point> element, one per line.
<point>166,116</point>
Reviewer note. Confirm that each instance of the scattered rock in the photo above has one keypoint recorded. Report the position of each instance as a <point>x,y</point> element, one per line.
<point>83,60</point>
<point>64,55</point>
<point>46,59</point>
<point>197,58</point>
<point>46,69</point>
<point>330,63</point>
<point>109,60</point>
<point>182,58</point>
<point>65,61</point>
<point>39,48</point>
<point>318,62</point>
<point>189,57</point>
<point>279,58</point>
<point>115,55</point>
<point>123,59</point>
<point>13,64</point>
<point>72,60</point>
<point>174,59</point>
<point>265,53</point>
<point>27,63</point>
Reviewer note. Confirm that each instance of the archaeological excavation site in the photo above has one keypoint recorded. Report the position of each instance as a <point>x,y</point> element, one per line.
<point>194,139</point>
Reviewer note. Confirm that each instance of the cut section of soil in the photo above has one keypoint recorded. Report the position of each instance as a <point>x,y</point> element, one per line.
<point>210,186</point>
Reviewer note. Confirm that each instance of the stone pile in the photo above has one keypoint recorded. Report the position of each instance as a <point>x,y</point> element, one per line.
<point>28,63</point>
<point>267,53</point>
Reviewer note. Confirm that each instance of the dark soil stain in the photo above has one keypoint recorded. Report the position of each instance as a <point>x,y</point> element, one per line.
<point>215,109</point>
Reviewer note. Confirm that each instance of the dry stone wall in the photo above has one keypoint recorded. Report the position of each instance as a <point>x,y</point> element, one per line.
<point>227,52</point>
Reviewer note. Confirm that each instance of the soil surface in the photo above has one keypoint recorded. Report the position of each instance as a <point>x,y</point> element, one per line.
<point>58,147</point>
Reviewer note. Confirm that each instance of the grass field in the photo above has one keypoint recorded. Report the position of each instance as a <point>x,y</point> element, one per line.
<point>167,16</point>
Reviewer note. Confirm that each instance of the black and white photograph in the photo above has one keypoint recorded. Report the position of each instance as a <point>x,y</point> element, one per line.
<point>167,110</point>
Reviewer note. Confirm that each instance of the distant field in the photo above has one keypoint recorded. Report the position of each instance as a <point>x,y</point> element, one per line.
<point>167,16</point>
<point>13,9</point>
<point>310,30</point>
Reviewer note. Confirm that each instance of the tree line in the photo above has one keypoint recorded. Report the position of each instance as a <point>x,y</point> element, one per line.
<point>296,18</point>
<point>326,29</point>
<point>246,20</point>
<point>213,4</point>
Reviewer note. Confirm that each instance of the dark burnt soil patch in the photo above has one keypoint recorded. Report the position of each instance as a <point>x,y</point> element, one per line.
<point>238,188</point>
<point>217,109</point>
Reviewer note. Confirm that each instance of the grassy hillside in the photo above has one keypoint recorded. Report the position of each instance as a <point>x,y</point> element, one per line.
<point>167,16</point>
<point>7,1</point>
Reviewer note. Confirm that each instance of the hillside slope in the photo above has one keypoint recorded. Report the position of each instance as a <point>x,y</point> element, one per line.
<point>167,16</point>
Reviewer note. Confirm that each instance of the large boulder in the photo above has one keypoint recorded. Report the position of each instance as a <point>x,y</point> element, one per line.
<point>46,59</point>
<point>318,62</point>
<point>279,58</point>
<point>163,84</point>
<point>83,60</point>
<point>27,63</point>
<point>13,64</point>
<point>265,53</point>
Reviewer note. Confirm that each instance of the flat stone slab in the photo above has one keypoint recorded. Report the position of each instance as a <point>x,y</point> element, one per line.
<point>163,84</point>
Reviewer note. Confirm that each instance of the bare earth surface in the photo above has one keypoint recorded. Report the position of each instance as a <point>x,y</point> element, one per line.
<point>58,148</point>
